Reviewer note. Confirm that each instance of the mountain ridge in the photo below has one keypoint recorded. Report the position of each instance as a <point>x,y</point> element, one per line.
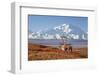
<point>67,31</point>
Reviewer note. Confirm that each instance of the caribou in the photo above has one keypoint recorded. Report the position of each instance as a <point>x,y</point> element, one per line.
<point>65,47</point>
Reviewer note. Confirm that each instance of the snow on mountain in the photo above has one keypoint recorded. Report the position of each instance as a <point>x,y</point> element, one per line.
<point>64,27</point>
<point>58,36</point>
<point>84,37</point>
<point>66,30</point>
<point>73,36</point>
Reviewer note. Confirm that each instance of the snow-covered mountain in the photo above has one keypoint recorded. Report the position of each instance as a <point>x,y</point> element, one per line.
<point>65,30</point>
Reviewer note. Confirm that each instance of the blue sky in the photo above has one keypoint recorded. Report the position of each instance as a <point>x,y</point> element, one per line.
<point>41,22</point>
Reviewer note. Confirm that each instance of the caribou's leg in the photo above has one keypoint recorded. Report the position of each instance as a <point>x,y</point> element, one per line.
<point>70,49</point>
<point>66,49</point>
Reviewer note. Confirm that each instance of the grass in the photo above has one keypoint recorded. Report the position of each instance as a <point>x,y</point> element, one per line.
<point>41,52</point>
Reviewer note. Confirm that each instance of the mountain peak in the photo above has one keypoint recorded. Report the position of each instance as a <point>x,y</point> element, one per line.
<point>64,28</point>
